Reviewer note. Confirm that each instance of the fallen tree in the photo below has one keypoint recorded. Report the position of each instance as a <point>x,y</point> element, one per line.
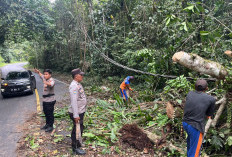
<point>199,64</point>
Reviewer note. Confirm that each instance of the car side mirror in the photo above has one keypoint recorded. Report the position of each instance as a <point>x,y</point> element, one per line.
<point>2,78</point>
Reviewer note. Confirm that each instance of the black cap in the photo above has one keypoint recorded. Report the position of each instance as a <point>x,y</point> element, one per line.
<point>77,71</point>
<point>201,85</point>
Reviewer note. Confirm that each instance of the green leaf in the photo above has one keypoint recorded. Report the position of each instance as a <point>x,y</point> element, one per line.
<point>190,8</point>
<point>222,135</point>
<point>229,141</point>
<point>151,123</point>
<point>168,21</point>
<point>101,144</point>
<point>34,146</point>
<point>173,16</point>
<point>185,26</point>
<point>90,135</point>
<point>112,135</point>
<point>179,101</point>
<point>204,33</point>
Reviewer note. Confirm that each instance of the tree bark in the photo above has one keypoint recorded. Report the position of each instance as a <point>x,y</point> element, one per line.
<point>207,126</point>
<point>212,122</point>
<point>219,112</point>
<point>199,64</point>
<point>228,53</point>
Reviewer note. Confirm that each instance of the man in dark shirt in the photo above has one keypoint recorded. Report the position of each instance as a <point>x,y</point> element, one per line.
<point>198,106</point>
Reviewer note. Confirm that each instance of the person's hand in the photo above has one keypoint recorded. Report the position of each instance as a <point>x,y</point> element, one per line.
<point>36,71</point>
<point>77,120</point>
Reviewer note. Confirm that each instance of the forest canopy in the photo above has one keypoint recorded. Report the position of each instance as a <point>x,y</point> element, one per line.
<point>139,34</point>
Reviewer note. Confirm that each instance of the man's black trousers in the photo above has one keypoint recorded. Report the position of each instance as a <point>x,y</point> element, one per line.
<point>48,108</point>
<point>75,142</point>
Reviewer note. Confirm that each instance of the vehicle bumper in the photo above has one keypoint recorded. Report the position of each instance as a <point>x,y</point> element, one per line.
<point>9,92</point>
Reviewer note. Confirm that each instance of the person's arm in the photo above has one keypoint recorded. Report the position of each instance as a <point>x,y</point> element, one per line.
<point>74,94</point>
<point>210,110</point>
<point>128,86</point>
<point>127,83</point>
<point>50,83</point>
<point>40,74</point>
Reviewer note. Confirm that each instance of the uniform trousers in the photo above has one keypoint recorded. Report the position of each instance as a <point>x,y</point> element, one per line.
<point>75,142</point>
<point>48,109</point>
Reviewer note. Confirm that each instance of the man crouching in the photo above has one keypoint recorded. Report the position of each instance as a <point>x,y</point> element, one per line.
<point>77,109</point>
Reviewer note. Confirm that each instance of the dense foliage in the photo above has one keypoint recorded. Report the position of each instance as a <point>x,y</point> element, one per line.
<point>140,34</point>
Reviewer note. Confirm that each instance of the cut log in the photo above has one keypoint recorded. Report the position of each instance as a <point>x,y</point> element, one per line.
<point>199,64</point>
<point>228,53</point>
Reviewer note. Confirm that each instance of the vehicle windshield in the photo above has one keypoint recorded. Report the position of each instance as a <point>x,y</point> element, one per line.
<point>17,75</point>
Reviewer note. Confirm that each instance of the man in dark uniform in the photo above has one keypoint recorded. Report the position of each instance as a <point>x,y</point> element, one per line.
<point>48,98</point>
<point>77,108</point>
<point>198,107</point>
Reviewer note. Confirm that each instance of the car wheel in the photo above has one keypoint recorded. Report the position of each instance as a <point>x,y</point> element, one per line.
<point>3,95</point>
<point>32,90</point>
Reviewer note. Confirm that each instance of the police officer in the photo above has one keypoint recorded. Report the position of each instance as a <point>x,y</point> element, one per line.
<point>48,98</point>
<point>77,108</point>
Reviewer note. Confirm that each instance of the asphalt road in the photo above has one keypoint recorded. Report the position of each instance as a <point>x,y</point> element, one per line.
<point>15,110</point>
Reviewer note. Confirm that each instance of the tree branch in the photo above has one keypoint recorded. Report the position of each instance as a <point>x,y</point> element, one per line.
<point>213,122</point>
<point>219,112</point>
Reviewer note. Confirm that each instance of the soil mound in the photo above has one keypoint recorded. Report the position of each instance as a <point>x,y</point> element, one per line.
<point>135,137</point>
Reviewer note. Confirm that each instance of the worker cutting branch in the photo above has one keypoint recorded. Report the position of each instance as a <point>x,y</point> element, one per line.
<point>125,88</point>
<point>198,107</point>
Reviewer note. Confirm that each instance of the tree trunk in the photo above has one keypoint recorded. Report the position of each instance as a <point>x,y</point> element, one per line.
<point>228,53</point>
<point>90,6</point>
<point>199,64</point>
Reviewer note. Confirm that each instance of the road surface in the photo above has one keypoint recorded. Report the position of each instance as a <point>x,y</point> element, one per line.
<point>15,110</point>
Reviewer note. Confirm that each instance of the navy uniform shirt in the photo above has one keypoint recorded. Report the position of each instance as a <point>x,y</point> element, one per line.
<point>198,106</point>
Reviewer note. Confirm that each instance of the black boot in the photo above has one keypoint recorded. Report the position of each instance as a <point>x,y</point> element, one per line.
<point>79,151</point>
<point>76,147</point>
<point>44,127</point>
<point>49,129</point>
